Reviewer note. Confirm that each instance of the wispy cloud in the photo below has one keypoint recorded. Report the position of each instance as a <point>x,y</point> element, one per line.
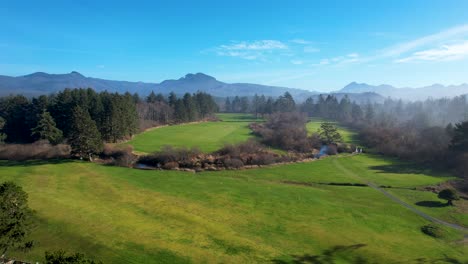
<point>250,50</point>
<point>437,38</point>
<point>443,53</point>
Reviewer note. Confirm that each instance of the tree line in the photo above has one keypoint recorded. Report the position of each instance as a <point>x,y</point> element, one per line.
<point>85,119</point>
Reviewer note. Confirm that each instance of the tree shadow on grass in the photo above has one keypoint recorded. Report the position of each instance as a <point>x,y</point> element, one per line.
<point>431,204</point>
<point>408,168</point>
<point>27,163</point>
<point>336,254</point>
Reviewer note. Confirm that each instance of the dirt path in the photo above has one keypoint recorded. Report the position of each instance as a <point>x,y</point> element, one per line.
<point>397,200</point>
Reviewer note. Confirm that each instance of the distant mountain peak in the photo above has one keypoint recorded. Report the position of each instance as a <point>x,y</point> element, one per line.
<point>36,74</point>
<point>197,77</point>
<point>76,73</point>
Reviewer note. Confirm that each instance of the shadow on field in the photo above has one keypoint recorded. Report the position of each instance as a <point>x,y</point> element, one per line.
<point>27,163</point>
<point>431,204</point>
<point>407,168</point>
<point>336,254</point>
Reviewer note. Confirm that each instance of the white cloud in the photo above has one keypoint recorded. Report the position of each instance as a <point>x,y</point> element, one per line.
<point>443,53</point>
<point>324,62</point>
<point>255,45</point>
<point>353,55</point>
<point>251,50</point>
<point>297,62</point>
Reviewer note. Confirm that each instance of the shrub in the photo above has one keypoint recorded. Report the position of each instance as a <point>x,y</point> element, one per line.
<point>120,156</point>
<point>233,163</point>
<point>284,130</point>
<point>170,165</point>
<point>332,149</point>
<point>183,156</point>
<point>263,159</point>
<point>235,150</point>
<point>433,231</point>
<point>61,257</point>
<point>36,150</point>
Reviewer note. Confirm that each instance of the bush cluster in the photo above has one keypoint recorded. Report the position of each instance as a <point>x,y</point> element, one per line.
<point>36,150</point>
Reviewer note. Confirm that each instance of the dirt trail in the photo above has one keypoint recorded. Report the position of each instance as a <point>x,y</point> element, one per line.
<point>397,200</point>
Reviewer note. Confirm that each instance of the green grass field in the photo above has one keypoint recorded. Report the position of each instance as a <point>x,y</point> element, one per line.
<point>266,215</point>
<point>121,215</point>
<point>207,136</point>
<point>211,136</point>
<point>348,135</point>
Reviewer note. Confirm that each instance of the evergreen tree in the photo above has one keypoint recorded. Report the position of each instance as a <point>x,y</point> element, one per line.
<point>46,129</point>
<point>85,139</point>
<point>244,104</point>
<point>16,218</point>
<point>285,103</point>
<point>136,98</point>
<point>227,105</point>
<point>180,111</point>
<point>370,114</point>
<point>329,133</point>
<point>191,108</point>
<point>269,106</point>
<point>172,99</point>
<point>356,112</point>
<point>345,109</point>
<point>308,106</point>
<point>460,137</point>
<point>152,98</point>
<point>160,98</point>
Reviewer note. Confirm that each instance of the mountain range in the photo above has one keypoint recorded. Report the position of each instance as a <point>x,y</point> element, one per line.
<point>44,83</point>
<point>412,94</point>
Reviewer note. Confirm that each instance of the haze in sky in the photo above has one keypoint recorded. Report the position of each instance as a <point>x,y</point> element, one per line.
<point>316,45</point>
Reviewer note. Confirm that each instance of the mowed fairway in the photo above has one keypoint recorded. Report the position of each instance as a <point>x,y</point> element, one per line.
<point>120,215</point>
<point>207,136</point>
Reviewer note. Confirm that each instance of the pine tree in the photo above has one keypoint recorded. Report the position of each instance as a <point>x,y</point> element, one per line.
<point>85,139</point>
<point>16,218</point>
<point>152,98</point>
<point>329,133</point>
<point>172,99</point>
<point>46,129</point>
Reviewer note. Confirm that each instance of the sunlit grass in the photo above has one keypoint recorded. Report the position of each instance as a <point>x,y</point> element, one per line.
<point>121,215</point>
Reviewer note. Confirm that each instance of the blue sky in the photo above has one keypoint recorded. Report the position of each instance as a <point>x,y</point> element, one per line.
<point>316,45</point>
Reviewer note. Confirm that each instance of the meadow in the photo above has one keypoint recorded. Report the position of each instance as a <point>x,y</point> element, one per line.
<point>274,214</point>
<point>206,136</point>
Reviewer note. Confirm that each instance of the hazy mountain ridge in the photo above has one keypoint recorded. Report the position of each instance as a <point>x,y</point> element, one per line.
<point>40,83</point>
<point>45,83</point>
<point>407,93</point>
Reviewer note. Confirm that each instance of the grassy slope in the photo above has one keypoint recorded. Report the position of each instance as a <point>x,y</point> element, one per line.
<point>124,215</point>
<point>207,136</point>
